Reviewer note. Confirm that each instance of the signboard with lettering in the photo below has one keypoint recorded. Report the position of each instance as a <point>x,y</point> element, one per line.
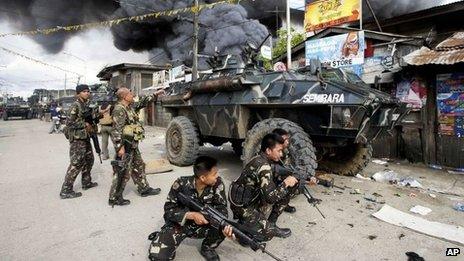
<point>337,51</point>
<point>325,13</point>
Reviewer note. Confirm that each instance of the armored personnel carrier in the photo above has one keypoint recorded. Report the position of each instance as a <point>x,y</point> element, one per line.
<point>16,109</point>
<point>331,115</point>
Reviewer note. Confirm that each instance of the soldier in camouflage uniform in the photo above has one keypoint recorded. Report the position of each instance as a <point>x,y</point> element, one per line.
<point>80,151</point>
<point>126,134</point>
<point>206,188</point>
<point>285,159</point>
<point>256,192</point>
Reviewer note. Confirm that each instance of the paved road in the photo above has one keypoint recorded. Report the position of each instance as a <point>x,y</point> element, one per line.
<point>36,225</point>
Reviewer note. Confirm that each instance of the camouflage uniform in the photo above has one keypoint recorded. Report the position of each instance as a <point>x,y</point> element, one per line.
<point>269,195</point>
<point>80,151</point>
<point>124,118</point>
<point>177,228</point>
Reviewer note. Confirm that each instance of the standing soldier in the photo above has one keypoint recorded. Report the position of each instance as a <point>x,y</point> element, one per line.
<point>256,192</point>
<point>80,152</point>
<point>127,133</point>
<point>106,126</point>
<point>205,187</point>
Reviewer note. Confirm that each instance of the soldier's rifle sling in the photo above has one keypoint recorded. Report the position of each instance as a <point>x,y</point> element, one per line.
<point>219,221</point>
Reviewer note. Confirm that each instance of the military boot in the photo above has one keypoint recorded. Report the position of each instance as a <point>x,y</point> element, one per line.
<point>89,185</point>
<point>118,202</point>
<point>209,254</point>
<point>290,209</point>
<point>150,192</point>
<point>279,232</point>
<point>65,194</point>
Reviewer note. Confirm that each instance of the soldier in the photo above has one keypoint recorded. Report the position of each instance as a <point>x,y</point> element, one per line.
<point>255,192</point>
<point>81,156</point>
<point>285,160</point>
<point>106,126</point>
<point>126,134</point>
<point>207,188</point>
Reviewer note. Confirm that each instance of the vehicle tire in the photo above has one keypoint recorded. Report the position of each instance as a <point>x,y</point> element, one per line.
<point>237,147</point>
<point>182,141</point>
<point>301,149</point>
<point>29,115</point>
<point>348,160</point>
<point>5,116</point>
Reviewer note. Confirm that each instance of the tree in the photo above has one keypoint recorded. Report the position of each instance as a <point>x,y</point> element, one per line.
<point>280,46</point>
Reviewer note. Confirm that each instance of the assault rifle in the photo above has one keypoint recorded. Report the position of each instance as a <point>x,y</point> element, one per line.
<point>91,118</point>
<point>302,178</point>
<point>219,221</point>
<point>120,167</point>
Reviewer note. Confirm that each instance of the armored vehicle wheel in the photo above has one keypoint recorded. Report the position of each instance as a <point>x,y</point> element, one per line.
<point>348,160</point>
<point>182,141</point>
<point>301,149</point>
<point>5,116</point>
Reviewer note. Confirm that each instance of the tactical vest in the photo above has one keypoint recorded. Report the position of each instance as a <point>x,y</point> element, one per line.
<point>76,134</point>
<point>133,130</point>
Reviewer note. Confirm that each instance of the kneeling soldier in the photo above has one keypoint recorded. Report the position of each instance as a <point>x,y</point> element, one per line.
<point>256,192</point>
<point>205,187</point>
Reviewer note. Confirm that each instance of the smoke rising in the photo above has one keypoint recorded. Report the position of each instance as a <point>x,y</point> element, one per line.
<point>225,27</point>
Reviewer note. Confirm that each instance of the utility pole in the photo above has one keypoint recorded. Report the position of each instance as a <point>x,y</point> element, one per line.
<point>195,43</point>
<point>65,79</point>
<point>289,38</point>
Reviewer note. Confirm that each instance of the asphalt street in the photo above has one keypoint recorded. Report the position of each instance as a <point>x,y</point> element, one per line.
<point>35,224</point>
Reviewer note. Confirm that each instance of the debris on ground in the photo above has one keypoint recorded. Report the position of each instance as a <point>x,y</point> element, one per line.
<point>412,195</point>
<point>414,257</point>
<point>369,206</point>
<point>420,210</point>
<point>380,162</point>
<point>434,166</point>
<point>386,175</point>
<point>456,171</point>
<point>338,191</point>
<point>312,223</point>
<point>376,194</point>
<point>397,194</point>
<point>374,199</point>
<point>432,195</point>
<point>158,166</point>
<point>359,176</point>
<point>355,192</point>
<point>351,225</point>
<point>401,236</point>
<point>459,206</point>
<point>372,237</point>
<point>409,182</point>
<point>396,217</point>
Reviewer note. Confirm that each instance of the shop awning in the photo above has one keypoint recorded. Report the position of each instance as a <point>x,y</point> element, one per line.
<point>448,52</point>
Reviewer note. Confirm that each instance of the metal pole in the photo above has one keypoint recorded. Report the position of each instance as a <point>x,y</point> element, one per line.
<point>65,79</point>
<point>195,44</point>
<point>373,14</point>
<point>361,14</point>
<point>289,38</point>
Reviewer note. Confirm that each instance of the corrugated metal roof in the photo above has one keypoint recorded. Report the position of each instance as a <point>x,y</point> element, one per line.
<point>448,52</point>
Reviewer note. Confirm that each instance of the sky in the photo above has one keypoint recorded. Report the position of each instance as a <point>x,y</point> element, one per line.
<point>95,47</point>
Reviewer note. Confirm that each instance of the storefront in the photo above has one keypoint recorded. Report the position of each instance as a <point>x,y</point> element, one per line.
<point>441,71</point>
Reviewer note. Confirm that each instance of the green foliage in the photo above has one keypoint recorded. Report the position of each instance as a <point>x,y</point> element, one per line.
<point>280,46</point>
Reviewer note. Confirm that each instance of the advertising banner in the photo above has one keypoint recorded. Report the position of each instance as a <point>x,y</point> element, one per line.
<point>450,103</point>
<point>337,51</point>
<point>325,13</point>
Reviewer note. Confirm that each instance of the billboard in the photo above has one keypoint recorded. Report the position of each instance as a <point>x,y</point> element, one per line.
<point>325,13</point>
<point>337,51</point>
